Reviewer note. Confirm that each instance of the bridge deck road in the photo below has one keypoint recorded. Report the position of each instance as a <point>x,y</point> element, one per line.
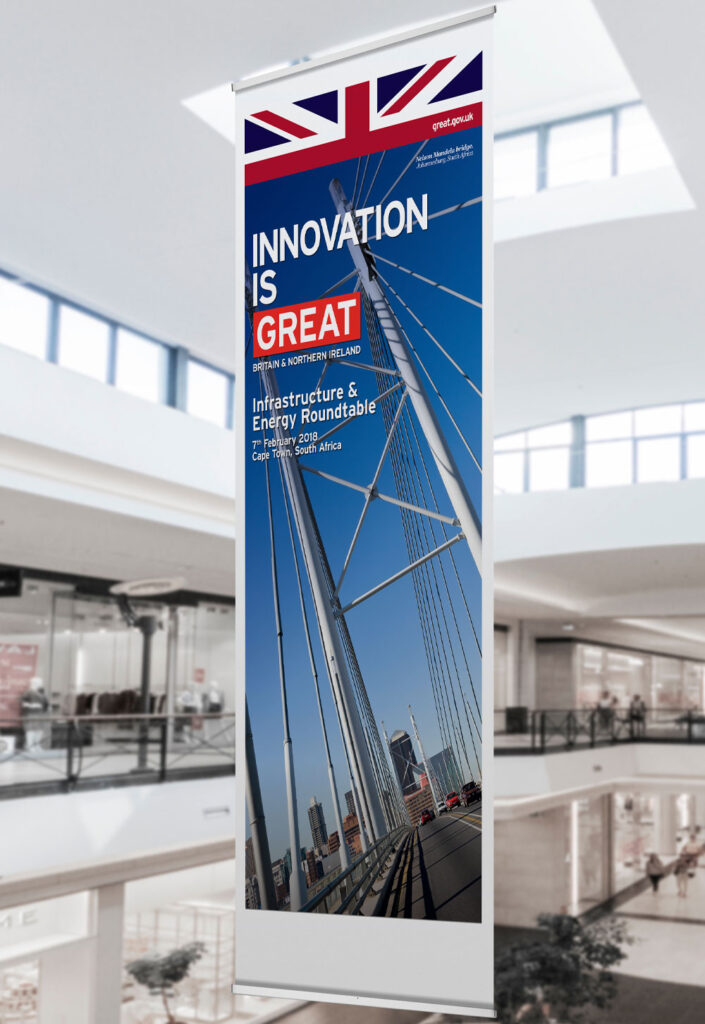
<point>440,878</point>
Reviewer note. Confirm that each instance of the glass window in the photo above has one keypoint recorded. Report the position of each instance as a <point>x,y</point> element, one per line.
<point>515,162</point>
<point>556,433</point>
<point>207,393</point>
<point>24,318</point>
<point>510,442</point>
<point>608,464</point>
<point>658,459</point>
<point>140,367</point>
<point>604,428</point>
<point>509,473</point>
<point>580,151</point>
<point>696,456</point>
<point>664,419</point>
<point>641,147</point>
<point>667,683</point>
<point>83,343</point>
<point>549,469</point>
<point>694,416</point>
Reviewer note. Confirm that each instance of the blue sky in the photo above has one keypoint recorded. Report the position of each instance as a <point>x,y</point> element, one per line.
<point>385,629</point>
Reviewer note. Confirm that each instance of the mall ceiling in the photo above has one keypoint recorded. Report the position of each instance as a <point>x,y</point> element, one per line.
<point>115,194</point>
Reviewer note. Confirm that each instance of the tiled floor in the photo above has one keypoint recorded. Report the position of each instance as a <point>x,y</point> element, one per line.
<point>668,905</point>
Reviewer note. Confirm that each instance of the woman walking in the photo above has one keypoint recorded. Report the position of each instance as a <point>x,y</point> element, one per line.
<point>654,870</point>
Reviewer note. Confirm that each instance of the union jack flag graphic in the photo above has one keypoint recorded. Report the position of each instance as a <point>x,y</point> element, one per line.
<point>396,108</point>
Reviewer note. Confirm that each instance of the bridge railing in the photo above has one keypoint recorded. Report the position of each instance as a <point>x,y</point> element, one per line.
<point>346,893</point>
<point>572,729</point>
<point>45,751</point>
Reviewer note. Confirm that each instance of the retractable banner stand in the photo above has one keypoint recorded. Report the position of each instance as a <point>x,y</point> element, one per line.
<point>364,859</point>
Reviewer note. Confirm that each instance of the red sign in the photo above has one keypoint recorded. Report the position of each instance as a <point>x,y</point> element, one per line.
<point>307,325</point>
<point>18,663</point>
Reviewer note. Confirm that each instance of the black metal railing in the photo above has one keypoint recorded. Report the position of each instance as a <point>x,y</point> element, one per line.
<point>346,893</point>
<point>571,729</point>
<point>43,751</point>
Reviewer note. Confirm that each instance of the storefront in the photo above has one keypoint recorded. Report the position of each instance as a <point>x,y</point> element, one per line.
<point>575,674</point>
<point>67,649</point>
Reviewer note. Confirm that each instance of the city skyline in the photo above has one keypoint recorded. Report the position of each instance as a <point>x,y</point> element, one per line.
<point>433,760</point>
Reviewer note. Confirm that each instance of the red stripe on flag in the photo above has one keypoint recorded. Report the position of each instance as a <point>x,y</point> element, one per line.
<point>360,142</point>
<point>284,124</point>
<point>416,87</point>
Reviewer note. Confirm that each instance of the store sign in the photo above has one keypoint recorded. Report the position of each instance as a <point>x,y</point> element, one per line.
<point>45,924</point>
<point>18,664</point>
<point>364,566</point>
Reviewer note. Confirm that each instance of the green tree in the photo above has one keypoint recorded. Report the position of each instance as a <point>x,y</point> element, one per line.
<point>160,974</point>
<point>562,975</point>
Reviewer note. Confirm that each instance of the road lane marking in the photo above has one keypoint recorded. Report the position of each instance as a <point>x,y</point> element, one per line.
<point>473,817</point>
<point>468,823</point>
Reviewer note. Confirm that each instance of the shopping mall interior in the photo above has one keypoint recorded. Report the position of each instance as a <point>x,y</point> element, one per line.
<point>117,456</point>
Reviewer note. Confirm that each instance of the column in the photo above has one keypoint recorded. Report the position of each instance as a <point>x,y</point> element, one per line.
<point>699,810</point>
<point>666,824</point>
<point>108,924</point>
<point>66,984</point>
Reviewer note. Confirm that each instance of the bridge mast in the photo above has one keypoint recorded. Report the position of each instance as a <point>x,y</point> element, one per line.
<point>258,827</point>
<point>428,421</point>
<point>436,797</point>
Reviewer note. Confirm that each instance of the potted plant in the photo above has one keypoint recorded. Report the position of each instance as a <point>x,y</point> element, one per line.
<point>560,975</point>
<point>160,974</point>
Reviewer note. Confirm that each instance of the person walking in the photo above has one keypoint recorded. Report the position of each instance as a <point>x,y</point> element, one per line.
<point>654,870</point>
<point>681,871</point>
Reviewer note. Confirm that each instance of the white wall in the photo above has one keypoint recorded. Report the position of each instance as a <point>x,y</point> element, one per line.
<point>586,519</point>
<point>53,831</point>
<point>111,427</point>
<point>658,765</point>
<point>531,867</point>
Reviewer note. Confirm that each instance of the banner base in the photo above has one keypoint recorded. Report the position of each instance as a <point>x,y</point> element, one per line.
<point>301,996</point>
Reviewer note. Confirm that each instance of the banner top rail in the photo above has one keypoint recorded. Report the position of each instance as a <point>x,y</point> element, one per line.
<point>427,28</point>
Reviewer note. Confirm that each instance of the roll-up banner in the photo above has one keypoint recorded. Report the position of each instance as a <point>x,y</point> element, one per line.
<point>364,565</point>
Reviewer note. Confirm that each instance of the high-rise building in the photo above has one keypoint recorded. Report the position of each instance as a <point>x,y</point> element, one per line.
<point>404,761</point>
<point>314,869</point>
<point>252,901</point>
<point>280,874</point>
<point>351,829</point>
<point>350,802</point>
<point>319,832</point>
<point>445,768</point>
<point>250,869</point>
<point>419,801</point>
<point>333,842</point>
